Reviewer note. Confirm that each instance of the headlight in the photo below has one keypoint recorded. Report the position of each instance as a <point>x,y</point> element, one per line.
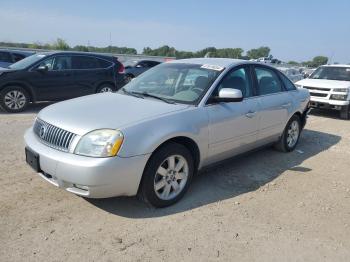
<point>339,97</point>
<point>345,90</point>
<point>100,143</point>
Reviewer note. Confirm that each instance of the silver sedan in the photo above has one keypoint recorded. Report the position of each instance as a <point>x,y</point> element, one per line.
<point>152,136</point>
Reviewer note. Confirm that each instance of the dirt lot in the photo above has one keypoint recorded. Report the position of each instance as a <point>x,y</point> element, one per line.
<point>267,206</point>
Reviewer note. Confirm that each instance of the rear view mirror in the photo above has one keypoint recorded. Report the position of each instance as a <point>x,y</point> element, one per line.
<point>229,95</point>
<point>42,68</point>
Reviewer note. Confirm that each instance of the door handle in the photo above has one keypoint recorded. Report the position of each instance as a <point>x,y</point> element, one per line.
<point>250,114</point>
<point>286,105</point>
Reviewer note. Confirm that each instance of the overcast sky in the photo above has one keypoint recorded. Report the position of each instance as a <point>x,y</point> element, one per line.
<point>294,30</point>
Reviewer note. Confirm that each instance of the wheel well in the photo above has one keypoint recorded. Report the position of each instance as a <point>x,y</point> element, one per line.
<point>31,95</point>
<point>189,144</point>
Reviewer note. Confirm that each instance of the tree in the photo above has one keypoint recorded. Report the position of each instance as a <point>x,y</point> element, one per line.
<point>294,63</point>
<point>319,60</point>
<point>60,44</point>
<point>263,51</point>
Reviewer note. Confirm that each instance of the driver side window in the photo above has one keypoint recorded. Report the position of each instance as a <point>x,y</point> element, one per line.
<point>47,62</point>
<point>237,79</point>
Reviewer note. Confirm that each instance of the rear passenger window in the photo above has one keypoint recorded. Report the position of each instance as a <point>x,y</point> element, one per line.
<point>287,83</point>
<point>5,57</point>
<point>85,62</point>
<point>103,63</point>
<point>268,81</point>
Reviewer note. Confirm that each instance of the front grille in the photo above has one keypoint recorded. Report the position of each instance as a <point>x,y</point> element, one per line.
<point>316,88</point>
<point>318,94</point>
<point>53,136</point>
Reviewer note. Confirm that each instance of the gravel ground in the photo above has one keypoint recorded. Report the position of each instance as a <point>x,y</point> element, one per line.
<point>266,206</point>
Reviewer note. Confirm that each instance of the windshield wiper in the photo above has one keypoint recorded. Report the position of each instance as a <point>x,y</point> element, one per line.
<point>135,94</point>
<point>145,94</point>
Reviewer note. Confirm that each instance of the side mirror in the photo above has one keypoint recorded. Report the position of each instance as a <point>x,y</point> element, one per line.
<point>43,68</point>
<point>228,95</point>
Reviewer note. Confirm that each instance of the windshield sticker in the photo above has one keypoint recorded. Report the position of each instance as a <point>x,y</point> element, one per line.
<point>213,67</point>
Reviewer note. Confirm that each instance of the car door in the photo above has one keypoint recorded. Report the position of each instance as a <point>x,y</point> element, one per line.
<point>54,83</point>
<point>274,104</point>
<point>89,73</point>
<point>233,127</point>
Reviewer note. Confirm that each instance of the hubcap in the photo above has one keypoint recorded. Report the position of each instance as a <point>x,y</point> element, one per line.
<point>171,177</point>
<point>106,89</point>
<point>293,133</point>
<point>15,99</point>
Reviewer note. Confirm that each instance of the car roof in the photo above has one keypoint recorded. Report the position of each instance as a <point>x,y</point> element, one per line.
<point>77,53</point>
<point>17,51</point>
<point>335,65</point>
<point>224,62</point>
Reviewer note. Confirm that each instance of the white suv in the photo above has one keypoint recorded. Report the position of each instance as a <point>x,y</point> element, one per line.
<point>329,88</point>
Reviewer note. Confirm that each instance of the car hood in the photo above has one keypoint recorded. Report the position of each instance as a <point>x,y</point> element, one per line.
<point>323,83</point>
<point>108,110</point>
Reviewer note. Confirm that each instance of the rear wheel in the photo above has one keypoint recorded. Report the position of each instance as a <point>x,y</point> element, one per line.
<point>128,78</point>
<point>290,136</point>
<point>105,88</point>
<point>167,175</point>
<point>345,112</point>
<point>14,99</point>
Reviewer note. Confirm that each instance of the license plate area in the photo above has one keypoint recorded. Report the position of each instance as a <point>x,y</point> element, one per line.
<point>32,159</point>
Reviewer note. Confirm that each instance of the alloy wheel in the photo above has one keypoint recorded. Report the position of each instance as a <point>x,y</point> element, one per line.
<point>15,99</point>
<point>171,177</point>
<point>293,134</point>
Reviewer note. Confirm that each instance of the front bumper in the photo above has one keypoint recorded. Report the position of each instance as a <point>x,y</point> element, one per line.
<point>327,103</point>
<point>87,176</point>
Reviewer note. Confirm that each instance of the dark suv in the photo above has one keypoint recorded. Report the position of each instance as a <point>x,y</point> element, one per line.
<point>8,57</point>
<point>135,68</point>
<point>57,76</point>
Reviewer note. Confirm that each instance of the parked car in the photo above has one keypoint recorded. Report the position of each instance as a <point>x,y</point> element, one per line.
<point>8,57</point>
<point>329,88</point>
<point>135,68</point>
<point>58,76</point>
<point>293,74</point>
<point>160,129</point>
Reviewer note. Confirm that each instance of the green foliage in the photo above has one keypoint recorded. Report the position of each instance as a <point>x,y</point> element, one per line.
<point>263,51</point>
<point>316,61</point>
<point>293,63</point>
<point>60,44</point>
<point>209,51</point>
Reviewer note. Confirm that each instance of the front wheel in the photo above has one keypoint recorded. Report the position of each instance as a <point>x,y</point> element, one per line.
<point>290,136</point>
<point>14,99</point>
<point>105,88</point>
<point>167,175</point>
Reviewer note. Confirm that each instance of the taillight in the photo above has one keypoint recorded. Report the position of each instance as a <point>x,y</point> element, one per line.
<point>121,69</point>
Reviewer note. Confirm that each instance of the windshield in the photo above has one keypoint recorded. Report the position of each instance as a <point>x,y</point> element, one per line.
<point>332,73</point>
<point>175,82</point>
<point>28,61</point>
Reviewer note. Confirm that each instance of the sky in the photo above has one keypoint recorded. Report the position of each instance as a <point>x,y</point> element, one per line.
<point>294,30</point>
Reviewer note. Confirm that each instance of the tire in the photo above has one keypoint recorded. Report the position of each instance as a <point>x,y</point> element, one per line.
<point>290,136</point>
<point>345,112</point>
<point>128,78</point>
<point>14,99</point>
<point>105,88</point>
<point>162,185</point>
